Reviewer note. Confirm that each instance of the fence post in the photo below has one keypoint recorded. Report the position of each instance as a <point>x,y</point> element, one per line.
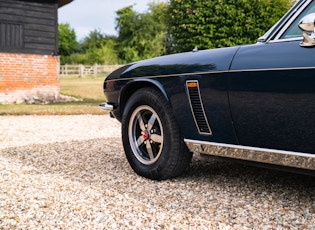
<point>81,70</point>
<point>95,70</point>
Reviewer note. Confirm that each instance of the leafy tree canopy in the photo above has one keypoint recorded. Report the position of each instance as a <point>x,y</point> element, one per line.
<point>95,39</point>
<point>96,48</point>
<point>141,35</point>
<point>67,40</point>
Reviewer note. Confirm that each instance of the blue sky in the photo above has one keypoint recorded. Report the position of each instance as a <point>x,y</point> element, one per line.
<point>87,15</point>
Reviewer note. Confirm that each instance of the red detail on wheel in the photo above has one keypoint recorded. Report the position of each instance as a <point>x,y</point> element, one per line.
<point>145,135</point>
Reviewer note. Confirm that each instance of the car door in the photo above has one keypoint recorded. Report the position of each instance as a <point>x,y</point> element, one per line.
<point>272,91</point>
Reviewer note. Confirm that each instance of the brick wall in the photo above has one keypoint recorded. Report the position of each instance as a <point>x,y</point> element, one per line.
<point>28,78</point>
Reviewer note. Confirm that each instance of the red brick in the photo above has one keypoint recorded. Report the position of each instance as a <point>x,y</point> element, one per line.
<point>28,72</point>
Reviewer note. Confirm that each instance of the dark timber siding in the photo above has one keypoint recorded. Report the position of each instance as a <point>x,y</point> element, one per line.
<point>28,26</point>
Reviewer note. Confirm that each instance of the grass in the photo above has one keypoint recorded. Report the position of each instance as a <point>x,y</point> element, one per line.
<point>88,89</point>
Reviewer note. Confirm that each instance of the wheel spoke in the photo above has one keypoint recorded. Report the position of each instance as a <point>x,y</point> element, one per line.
<point>151,121</point>
<point>149,149</point>
<point>140,140</point>
<point>157,138</point>
<point>140,121</point>
<point>145,133</point>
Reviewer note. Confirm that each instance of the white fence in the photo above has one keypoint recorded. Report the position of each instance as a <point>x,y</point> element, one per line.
<point>86,70</point>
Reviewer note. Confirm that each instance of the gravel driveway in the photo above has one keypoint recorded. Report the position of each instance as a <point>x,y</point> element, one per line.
<point>69,172</point>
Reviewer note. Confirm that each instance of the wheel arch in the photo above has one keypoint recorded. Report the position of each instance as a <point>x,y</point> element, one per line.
<point>135,85</point>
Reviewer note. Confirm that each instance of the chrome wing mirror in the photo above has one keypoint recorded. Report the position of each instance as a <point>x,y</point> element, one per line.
<point>307,24</point>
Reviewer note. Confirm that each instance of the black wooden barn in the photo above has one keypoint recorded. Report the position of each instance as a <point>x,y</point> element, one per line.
<point>29,26</point>
<point>28,50</point>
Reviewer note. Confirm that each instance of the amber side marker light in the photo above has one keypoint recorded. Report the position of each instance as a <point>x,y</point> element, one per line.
<point>192,84</point>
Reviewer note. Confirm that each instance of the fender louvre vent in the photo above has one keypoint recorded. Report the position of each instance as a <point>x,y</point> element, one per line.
<point>197,109</point>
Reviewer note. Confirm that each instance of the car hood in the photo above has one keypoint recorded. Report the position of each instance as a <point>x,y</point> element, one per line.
<point>212,60</point>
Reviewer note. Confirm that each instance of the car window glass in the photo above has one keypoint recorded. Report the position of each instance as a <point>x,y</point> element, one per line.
<point>293,30</point>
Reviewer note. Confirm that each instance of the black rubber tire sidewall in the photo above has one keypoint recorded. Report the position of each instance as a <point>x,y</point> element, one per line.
<point>168,165</point>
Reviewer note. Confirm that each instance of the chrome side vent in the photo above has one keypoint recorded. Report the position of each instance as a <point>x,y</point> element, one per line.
<point>197,109</point>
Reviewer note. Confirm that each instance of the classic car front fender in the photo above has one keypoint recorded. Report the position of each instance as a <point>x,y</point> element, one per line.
<point>135,84</point>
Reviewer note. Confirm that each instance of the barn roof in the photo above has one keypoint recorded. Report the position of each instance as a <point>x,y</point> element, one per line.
<point>63,2</point>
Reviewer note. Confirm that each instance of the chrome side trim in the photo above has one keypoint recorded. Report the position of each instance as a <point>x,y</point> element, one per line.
<point>271,69</point>
<point>171,75</point>
<point>269,156</point>
<point>106,107</point>
<point>213,72</point>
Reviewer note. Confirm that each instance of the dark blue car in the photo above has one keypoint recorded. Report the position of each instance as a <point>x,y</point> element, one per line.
<point>254,102</point>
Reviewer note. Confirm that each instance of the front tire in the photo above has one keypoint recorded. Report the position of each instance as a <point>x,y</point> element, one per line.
<point>151,137</point>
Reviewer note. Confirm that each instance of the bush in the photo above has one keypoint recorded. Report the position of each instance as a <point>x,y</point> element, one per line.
<point>221,23</point>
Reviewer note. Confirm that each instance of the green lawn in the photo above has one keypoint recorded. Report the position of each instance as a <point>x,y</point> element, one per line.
<point>88,89</point>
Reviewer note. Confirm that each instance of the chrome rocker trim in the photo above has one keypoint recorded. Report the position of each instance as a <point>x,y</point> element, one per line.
<point>276,157</point>
<point>106,107</point>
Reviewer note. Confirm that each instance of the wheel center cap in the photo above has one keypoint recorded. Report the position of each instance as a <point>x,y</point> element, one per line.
<point>145,134</point>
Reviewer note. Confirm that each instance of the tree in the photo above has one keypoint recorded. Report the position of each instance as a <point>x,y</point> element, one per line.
<point>67,40</point>
<point>221,23</point>
<point>95,39</point>
<point>99,48</point>
<point>103,52</point>
<point>141,35</point>
<point>96,48</point>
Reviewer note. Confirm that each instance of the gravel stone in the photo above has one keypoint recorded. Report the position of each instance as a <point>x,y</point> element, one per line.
<point>70,172</point>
